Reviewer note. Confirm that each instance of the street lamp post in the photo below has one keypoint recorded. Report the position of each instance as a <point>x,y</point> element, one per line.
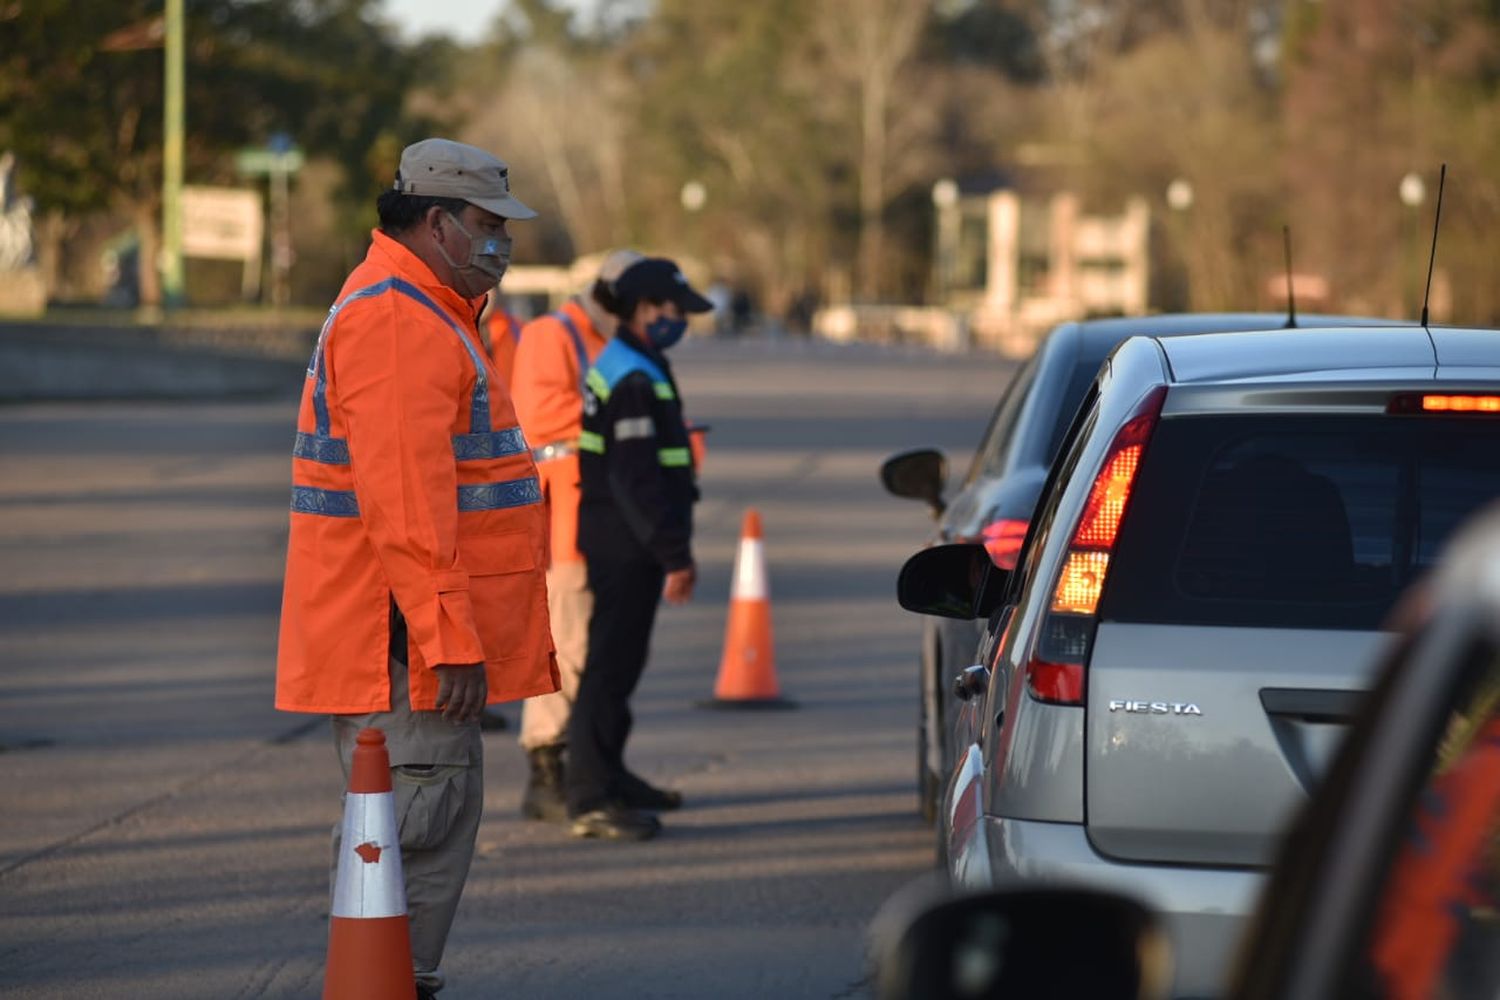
<point>172,276</point>
<point>945,237</point>
<point>1180,197</point>
<point>1412,192</point>
<point>693,196</point>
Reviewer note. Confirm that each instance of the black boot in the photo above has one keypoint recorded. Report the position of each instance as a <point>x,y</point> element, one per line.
<point>544,798</point>
<point>638,793</point>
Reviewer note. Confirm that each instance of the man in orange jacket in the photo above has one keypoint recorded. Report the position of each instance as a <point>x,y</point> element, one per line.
<point>414,589</point>
<point>552,358</point>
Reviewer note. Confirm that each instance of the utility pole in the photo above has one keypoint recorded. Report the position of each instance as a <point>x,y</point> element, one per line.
<point>172,278</point>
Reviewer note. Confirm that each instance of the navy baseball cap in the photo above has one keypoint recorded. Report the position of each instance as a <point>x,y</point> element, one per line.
<point>657,279</point>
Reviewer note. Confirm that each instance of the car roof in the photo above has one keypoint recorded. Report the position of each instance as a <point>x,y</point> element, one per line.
<point>1098,336</point>
<point>1335,353</point>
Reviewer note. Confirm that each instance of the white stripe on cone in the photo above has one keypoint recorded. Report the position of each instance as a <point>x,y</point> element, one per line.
<point>750,571</point>
<point>369,878</point>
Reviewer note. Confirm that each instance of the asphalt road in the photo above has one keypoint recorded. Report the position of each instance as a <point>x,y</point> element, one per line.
<point>164,832</point>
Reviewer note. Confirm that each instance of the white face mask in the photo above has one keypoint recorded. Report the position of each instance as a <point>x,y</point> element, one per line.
<point>489,255</point>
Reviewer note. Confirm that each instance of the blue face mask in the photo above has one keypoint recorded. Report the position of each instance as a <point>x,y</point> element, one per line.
<point>665,332</point>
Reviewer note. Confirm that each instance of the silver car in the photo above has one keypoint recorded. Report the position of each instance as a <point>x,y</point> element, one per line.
<point>1387,885</point>
<point>994,502</point>
<point>1198,607</point>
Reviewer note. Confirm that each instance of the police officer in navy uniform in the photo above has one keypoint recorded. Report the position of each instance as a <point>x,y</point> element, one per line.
<point>635,525</point>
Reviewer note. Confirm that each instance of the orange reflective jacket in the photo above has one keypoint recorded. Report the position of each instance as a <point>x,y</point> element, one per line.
<point>412,482</point>
<point>504,336</point>
<point>554,355</point>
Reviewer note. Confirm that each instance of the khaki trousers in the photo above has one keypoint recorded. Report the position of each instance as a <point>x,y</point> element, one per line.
<point>437,773</point>
<point>544,719</point>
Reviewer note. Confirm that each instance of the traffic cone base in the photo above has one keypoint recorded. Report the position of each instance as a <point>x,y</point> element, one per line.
<point>747,672</point>
<point>369,935</point>
<point>747,703</point>
<point>373,961</point>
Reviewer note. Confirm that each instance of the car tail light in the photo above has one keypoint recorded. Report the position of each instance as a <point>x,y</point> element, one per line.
<point>1101,516</point>
<point>1081,583</point>
<point>1461,404</point>
<point>1002,540</point>
<point>1055,669</point>
<point>1456,402</point>
<point>1057,683</point>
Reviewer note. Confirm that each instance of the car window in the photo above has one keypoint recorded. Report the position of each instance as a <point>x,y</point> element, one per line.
<point>1293,521</point>
<point>1436,917</point>
<point>1079,380</point>
<point>989,460</point>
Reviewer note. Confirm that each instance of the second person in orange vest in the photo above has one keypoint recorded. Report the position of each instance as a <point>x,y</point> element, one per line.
<point>552,357</point>
<point>502,336</point>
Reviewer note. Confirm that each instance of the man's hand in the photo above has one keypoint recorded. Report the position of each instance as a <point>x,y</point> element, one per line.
<point>462,690</point>
<point>679,586</point>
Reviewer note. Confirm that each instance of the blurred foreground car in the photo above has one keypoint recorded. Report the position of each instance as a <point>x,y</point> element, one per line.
<point>1198,607</point>
<point>995,502</point>
<point>1387,888</point>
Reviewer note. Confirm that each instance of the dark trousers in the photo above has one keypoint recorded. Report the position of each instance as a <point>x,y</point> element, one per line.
<point>627,590</point>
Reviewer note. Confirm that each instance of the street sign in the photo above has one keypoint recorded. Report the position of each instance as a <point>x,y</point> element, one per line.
<point>267,161</point>
<point>221,223</point>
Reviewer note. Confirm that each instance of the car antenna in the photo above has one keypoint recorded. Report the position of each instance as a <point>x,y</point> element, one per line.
<point>1291,298</point>
<point>1432,259</point>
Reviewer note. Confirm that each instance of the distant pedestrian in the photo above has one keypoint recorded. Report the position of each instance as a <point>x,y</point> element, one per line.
<point>741,311</point>
<point>719,298</point>
<point>553,356</point>
<point>635,526</point>
<point>799,315</point>
<point>414,590</point>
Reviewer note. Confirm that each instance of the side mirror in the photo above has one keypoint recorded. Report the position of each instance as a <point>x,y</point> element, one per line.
<point>917,475</point>
<point>1025,943</point>
<point>952,581</point>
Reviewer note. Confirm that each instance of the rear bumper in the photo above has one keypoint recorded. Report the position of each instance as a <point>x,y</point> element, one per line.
<point>1204,908</point>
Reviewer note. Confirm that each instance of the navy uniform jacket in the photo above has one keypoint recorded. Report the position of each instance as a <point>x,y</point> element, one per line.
<point>635,462</point>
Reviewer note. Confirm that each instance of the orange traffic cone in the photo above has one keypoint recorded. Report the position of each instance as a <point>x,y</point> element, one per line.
<point>369,940</point>
<point>747,673</point>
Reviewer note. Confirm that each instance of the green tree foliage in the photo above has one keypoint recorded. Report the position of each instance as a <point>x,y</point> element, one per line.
<point>727,100</point>
<point>816,128</point>
<point>82,95</point>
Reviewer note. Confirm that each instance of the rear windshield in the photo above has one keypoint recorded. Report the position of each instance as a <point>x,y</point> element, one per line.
<point>1294,521</point>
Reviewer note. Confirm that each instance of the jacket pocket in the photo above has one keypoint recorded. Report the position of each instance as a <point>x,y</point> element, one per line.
<point>504,583</point>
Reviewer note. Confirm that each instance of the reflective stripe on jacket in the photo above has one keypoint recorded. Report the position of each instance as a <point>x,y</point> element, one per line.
<point>547,391</point>
<point>412,482</point>
<point>635,461</point>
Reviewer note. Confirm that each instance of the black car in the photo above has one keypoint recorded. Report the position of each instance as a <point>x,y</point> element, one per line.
<point>998,495</point>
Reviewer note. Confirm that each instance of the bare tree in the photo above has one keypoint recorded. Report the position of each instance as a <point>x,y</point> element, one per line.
<point>868,47</point>
<point>558,118</point>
